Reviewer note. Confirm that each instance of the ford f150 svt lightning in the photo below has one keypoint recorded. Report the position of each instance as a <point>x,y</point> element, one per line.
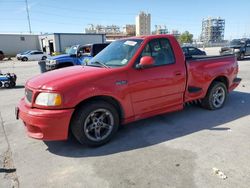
<point>130,79</point>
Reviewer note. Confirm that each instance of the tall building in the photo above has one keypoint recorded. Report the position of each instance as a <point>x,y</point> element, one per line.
<point>143,24</point>
<point>213,30</point>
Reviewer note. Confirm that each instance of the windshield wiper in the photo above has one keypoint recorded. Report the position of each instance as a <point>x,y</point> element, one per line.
<point>99,63</point>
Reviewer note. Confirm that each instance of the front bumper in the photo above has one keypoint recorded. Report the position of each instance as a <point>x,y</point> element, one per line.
<point>51,66</point>
<point>45,124</point>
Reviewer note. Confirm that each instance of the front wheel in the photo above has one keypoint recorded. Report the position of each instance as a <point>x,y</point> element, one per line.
<point>95,123</point>
<point>7,85</point>
<point>215,97</point>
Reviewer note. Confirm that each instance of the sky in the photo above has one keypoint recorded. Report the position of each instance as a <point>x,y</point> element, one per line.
<point>50,16</point>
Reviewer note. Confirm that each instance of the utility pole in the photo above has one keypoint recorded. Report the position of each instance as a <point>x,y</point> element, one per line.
<point>28,15</point>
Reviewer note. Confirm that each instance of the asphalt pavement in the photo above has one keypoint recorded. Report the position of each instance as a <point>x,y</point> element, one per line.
<point>191,148</point>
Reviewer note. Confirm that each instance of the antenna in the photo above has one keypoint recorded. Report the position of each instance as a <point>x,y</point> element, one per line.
<point>28,15</point>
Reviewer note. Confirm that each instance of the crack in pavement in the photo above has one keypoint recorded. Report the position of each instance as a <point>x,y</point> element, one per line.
<point>8,163</point>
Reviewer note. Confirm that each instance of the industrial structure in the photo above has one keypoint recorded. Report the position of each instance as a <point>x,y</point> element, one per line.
<point>176,33</point>
<point>129,29</point>
<point>161,29</point>
<point>143,24</point>
<point>102,29</point>
<point>213,30</point>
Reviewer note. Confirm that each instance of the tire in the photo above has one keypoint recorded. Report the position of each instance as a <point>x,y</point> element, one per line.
<point>95,123</point>
<point>12,84</point>
<point>24,59</point>
<point>215,97</point>
<point>44,58</point>
<point>1,84</point>
<point>7,85</point>
<point>241,56</point>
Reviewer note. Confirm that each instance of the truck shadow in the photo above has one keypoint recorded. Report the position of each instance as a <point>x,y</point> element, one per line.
<point>161,128</point>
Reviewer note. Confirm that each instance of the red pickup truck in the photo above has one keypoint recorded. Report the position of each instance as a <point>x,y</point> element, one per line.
<point>131,79</point>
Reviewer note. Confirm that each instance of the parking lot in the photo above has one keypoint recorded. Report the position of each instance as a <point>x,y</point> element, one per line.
<point>190,148</point>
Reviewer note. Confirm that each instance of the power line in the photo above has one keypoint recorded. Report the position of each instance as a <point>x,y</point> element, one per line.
<point>28,15</point>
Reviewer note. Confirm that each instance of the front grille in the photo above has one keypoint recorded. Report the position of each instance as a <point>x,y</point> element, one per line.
<point>28,95</point>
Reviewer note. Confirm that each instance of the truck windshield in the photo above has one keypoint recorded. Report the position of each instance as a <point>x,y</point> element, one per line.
<point>72,50</point>
<point>117,54</point>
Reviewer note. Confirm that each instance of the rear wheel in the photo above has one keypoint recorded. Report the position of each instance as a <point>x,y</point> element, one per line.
<point>215,97</point>
<point>1,84</point>
<point>24,59</point>
<point>44,58</point>
<point>13,84</point>
<point>95,123</point>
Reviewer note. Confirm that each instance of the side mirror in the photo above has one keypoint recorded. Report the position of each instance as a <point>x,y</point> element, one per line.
<point>145,62</point>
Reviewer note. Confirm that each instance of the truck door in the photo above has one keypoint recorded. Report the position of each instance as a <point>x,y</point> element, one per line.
<point>161,86</point>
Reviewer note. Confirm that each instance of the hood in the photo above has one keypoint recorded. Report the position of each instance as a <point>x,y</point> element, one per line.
<point>66,77</point>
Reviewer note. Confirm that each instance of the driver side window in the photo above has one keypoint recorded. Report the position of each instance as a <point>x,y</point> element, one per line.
<point>160,50</point>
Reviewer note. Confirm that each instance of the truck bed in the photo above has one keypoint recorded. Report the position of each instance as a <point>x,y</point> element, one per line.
<point>207,57</point>
<point>202,70</point>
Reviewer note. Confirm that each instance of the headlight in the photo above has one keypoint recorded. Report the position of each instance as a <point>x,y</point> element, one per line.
<point>236,50</point>
<point>52,62</point>
<point>49,99</point>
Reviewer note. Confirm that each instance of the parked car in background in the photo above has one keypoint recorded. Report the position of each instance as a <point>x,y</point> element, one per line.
<point>34,55</point>
<point>1,55</point>
<point>239,47</point>
<point>190,51</point>
<point>18,56</point>
<point>76,55</point>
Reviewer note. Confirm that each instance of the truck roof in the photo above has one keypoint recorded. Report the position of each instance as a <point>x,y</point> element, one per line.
<point>150,36</point>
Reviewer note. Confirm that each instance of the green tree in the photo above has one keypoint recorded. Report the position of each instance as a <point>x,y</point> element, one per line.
<point>186,37</point>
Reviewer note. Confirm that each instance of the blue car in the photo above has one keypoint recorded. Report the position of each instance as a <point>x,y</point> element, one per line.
<point>76,55</point>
